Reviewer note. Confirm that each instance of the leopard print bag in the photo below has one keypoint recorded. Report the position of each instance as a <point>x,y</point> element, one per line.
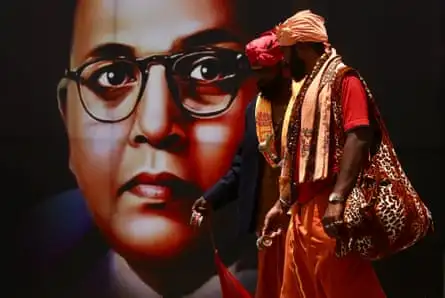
<point>383,214</point>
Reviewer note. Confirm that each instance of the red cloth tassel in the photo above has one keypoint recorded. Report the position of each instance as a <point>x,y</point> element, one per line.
<point>230,286</point>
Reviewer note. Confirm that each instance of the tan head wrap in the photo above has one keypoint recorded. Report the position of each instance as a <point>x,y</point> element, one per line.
<point>304,26</point>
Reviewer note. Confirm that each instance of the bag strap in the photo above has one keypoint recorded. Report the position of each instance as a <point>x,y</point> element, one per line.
<point>372,105</point>
<point>373,109</point>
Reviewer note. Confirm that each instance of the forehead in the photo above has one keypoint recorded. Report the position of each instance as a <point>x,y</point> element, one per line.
<point>149,26</point>
<point>286,50</point>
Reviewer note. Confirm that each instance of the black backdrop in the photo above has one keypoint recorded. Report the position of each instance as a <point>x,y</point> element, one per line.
<point>397,45</point>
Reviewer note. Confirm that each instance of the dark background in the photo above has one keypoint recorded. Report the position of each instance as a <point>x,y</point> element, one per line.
<point>398,46</point>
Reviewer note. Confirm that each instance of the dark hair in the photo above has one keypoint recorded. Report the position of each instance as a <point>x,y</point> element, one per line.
<point>252,24</point>
<point>256,21</point>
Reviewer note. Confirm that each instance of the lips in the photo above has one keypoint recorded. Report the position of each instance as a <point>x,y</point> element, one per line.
<point>159,188</point>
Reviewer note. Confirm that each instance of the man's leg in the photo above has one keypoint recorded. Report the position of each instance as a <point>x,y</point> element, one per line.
<point>270,269</point>
<point>348,277</point>
<point>297,280</point>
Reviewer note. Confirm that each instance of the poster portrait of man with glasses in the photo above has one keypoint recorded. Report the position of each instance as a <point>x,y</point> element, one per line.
<point>153,103</point>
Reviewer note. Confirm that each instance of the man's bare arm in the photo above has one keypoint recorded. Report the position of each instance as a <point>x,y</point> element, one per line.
<point>355,153</point>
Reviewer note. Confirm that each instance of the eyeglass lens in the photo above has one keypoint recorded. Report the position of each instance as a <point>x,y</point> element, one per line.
<point>110,89</point>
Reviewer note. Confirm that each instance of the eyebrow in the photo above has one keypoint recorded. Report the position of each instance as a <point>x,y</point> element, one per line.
<point>111,50</point>
<point>207,37</point>
<point>202,38</point>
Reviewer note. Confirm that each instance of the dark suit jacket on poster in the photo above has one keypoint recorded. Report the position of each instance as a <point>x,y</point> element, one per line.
<point>62,250</point>
<point>62,254</point>
<point>242,181</point>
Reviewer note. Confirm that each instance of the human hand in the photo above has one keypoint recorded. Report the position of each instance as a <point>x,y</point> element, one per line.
<point>333,219</point>
<point>199,209</point>
<point>273,221</point>
<point>201,206</point>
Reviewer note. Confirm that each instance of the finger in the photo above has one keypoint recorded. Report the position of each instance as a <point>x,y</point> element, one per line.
<point>328,220</point>
<point>329,229</point>
<point>338,222</point>
<point>199,221</point>
<point>265,227</point>
<point>193,220</point>
<point>264,231</point>
<point>274,234</point>
<point>196,219</point>
<point>332,228</point>
<point>201,209</point>
<point>196,206</point>
<point>260,244</point>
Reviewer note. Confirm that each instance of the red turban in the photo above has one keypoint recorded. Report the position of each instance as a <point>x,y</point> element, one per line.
<point>264,51</point>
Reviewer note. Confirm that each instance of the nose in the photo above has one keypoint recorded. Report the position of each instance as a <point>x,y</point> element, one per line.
<point>157,116</point>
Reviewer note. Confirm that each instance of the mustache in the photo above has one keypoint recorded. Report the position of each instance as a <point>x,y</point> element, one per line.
<point>277,81</point>
<point>297,69</point>
<point>179,187</point>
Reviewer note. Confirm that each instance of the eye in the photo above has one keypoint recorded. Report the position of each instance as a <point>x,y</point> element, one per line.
<point>111,80</point>
<point>115,75</point>
<point>207,69</point>
<point>110,75</point>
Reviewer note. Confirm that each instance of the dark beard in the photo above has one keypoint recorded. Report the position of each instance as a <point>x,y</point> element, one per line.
<point>271,88</point>
<point>297,68</point>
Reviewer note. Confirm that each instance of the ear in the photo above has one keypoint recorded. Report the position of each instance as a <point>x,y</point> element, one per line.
<point>70,165</point>
<point>62,90</point>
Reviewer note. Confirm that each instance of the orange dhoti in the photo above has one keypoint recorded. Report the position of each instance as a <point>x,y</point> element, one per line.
<point>311,269</point>
<point>270,269</point>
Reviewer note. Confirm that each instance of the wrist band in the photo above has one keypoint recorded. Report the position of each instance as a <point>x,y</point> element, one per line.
<point>285,203</point>
<point>335,198</point>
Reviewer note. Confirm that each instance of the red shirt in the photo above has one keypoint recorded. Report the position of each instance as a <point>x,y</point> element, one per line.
<point>355,114</point>
<point>355,103</point>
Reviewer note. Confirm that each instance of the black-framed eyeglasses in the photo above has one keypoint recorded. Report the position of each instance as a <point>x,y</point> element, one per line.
<point>204,82</point>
